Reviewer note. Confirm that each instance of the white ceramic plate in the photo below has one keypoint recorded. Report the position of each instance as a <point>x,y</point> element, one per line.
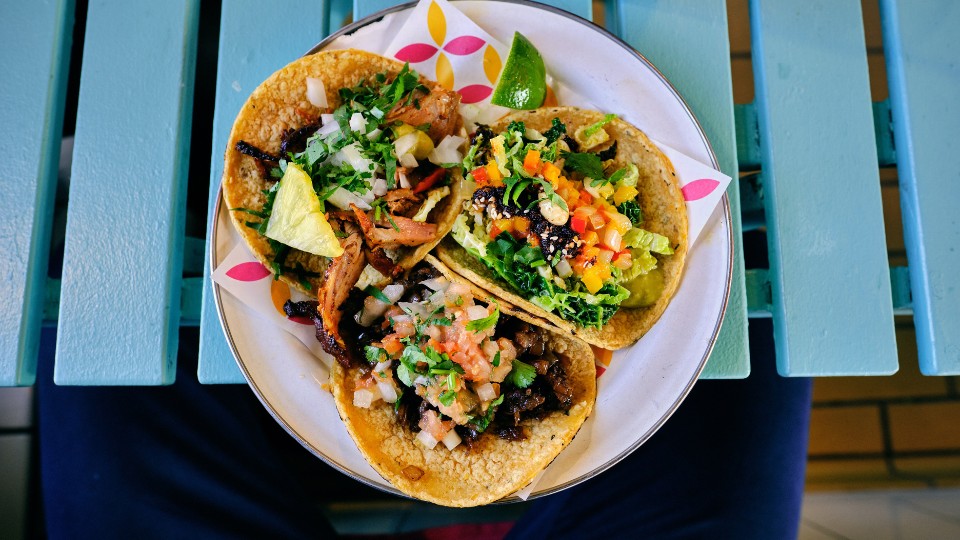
<point>645,383</point>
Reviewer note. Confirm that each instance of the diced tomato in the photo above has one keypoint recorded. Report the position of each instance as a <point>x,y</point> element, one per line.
<point>578,223</point>
<point>480,176</point>
<point>551,172</point>
<point>430,180</point>
<point>531,162</point>
<point>585,196</point>
<point>392,344</point>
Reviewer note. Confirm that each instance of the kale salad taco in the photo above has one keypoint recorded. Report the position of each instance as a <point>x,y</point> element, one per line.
<point>453,396</point>
<point>577,218</point>
<point>342,168</point>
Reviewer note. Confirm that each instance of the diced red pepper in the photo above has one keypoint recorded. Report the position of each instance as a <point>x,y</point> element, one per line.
<point>480,176</point>
<point>585,196</point>
<point>430,180</point>
<point>578,224</point>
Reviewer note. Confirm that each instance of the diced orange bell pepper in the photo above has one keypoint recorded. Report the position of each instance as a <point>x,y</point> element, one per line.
<point>591,279</point>
<point>494,173</point>
<point>531,162</point>
<point>624,193</point>
<point>604,356</point>
<point>551,172</point>
<point>590,238</point>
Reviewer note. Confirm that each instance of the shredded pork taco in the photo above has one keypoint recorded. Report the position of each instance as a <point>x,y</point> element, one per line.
<point>451,397</point>
<point>577,218</point>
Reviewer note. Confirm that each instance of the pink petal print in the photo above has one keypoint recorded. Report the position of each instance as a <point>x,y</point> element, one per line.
<point>416,52</point>
<point>248,271</point>
<point>464,45</point>
<point>301,320</point>
<point>699,189</point>
<point>474,93</point>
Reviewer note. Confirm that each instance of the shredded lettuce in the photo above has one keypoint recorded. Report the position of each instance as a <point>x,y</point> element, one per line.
<point>650,241</point>
<point>643,262</point>
<point>433,197</point>
<point>464,236</point>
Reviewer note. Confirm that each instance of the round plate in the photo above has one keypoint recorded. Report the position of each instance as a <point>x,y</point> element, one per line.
<point>644,383</point>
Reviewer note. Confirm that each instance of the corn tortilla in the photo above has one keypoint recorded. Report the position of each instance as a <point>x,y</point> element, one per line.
<point>279,104</point>
<point>494,468</point>
<point>664,212</point>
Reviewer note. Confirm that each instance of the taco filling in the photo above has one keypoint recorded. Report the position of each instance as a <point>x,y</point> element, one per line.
<point>558,217</point>
<point>452,366</point>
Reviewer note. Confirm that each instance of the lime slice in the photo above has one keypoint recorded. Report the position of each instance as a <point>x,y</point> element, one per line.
<point>297,220</point>
<point>523,81</point>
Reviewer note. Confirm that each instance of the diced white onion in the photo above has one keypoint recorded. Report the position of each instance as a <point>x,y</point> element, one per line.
<point>382,366</point>
<point>372,310</point>
<point>490,348</point>
<point>402,180</point>
<point>363,398</point>
<point>437,283</point>
<point>316,93</point>
<point>434,332</point>
<point>415,308</point>
<point>404,145</point>
<point>407,160</point>
<point>351,154</point>
<point>326,118</point>
<point>447,151</point>
<point>341,198</point>
<point>437,297</point>
<point>451,440</point>
<point>380,187</point>
<point>368,196</point>
<point>393,291</point>
<point>387,391</point>
<point>328,129</point>
<point>486,392</point>
<point>422,380</point>
<point>426,439</point>
<point>374,134</point>
<point>563,268</point>
<point>358,122</point>
<point>377,113</point>
<point>475,312</point>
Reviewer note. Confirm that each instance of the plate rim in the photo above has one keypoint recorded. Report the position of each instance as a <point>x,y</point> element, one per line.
<point>724,201</point>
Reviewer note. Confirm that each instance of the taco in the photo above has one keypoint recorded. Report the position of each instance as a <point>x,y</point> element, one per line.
<point>455,399</point>
<point>576,218</point>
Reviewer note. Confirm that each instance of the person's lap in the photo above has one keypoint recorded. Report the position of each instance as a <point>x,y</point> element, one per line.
<point>190,460</point>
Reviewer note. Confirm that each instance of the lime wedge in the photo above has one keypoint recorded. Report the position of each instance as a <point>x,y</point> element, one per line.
<point>297,220</point>
<point>523,81</point>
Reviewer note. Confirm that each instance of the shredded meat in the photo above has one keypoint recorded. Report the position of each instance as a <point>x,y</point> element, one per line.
<point>515,403</point>
<point>384,235</point>
<point>338,280</point>
<point>295,140</point>
<point>402,201</point>
<point>307,308</point>
<point>246,148</point>
<point>510,433</point>
<point>437,108</point>
<point>384,264</point>
<point>556,377</point>
<point>529,340</point>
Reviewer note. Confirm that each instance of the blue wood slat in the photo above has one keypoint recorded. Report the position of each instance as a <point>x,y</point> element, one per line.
<point>922,48</point>
<point>828,262</point>
<point>583,8</point>
<point>35,43</point>
<point>688,41</point>
<point>251,48</point>
<point>120,303</point>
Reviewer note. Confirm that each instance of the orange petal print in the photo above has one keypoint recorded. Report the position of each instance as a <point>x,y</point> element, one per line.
<point>279,294</point>
<point>491,64</point>
<point>551,99</point>
<point>444,72</point>
<point>437,23</point>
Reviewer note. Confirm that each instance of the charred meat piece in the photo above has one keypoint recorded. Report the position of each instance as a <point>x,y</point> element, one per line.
<point>402,201</point>
<point>246,148</point>
<point>437,108</point>
<point>383,234</point>
<point>529,340</point>
<point>338,280</point>
<point>384,264</point>
<point>468,434</point>
<point>307,308</point>
<point>517,402</point>
<point>295,140</point>
<point>510,433</point>
<point>556,377</point>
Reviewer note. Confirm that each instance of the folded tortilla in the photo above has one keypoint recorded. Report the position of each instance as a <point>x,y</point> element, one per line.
<point>493,468</point>
<point>280,104</point>
<point>664,212</point>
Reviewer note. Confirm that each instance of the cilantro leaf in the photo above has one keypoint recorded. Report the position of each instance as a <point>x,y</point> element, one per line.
<point>482,422</point>
<point>374,355</point>
<point>479,325</point>
<point>522,374</point>
<point>378,294</point>
<point>585,163</point>
<point>447,398</point>
<point>496,359</point>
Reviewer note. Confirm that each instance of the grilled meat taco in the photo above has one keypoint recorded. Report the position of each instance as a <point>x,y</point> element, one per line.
<point>577,218</point>
<point>451,398</point>
<point>343,166</point>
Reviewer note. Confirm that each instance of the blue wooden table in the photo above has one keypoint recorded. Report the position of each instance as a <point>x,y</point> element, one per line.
<point>813,134</point>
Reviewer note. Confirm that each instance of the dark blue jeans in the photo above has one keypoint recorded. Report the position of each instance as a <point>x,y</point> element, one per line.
<point>193,461</point>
